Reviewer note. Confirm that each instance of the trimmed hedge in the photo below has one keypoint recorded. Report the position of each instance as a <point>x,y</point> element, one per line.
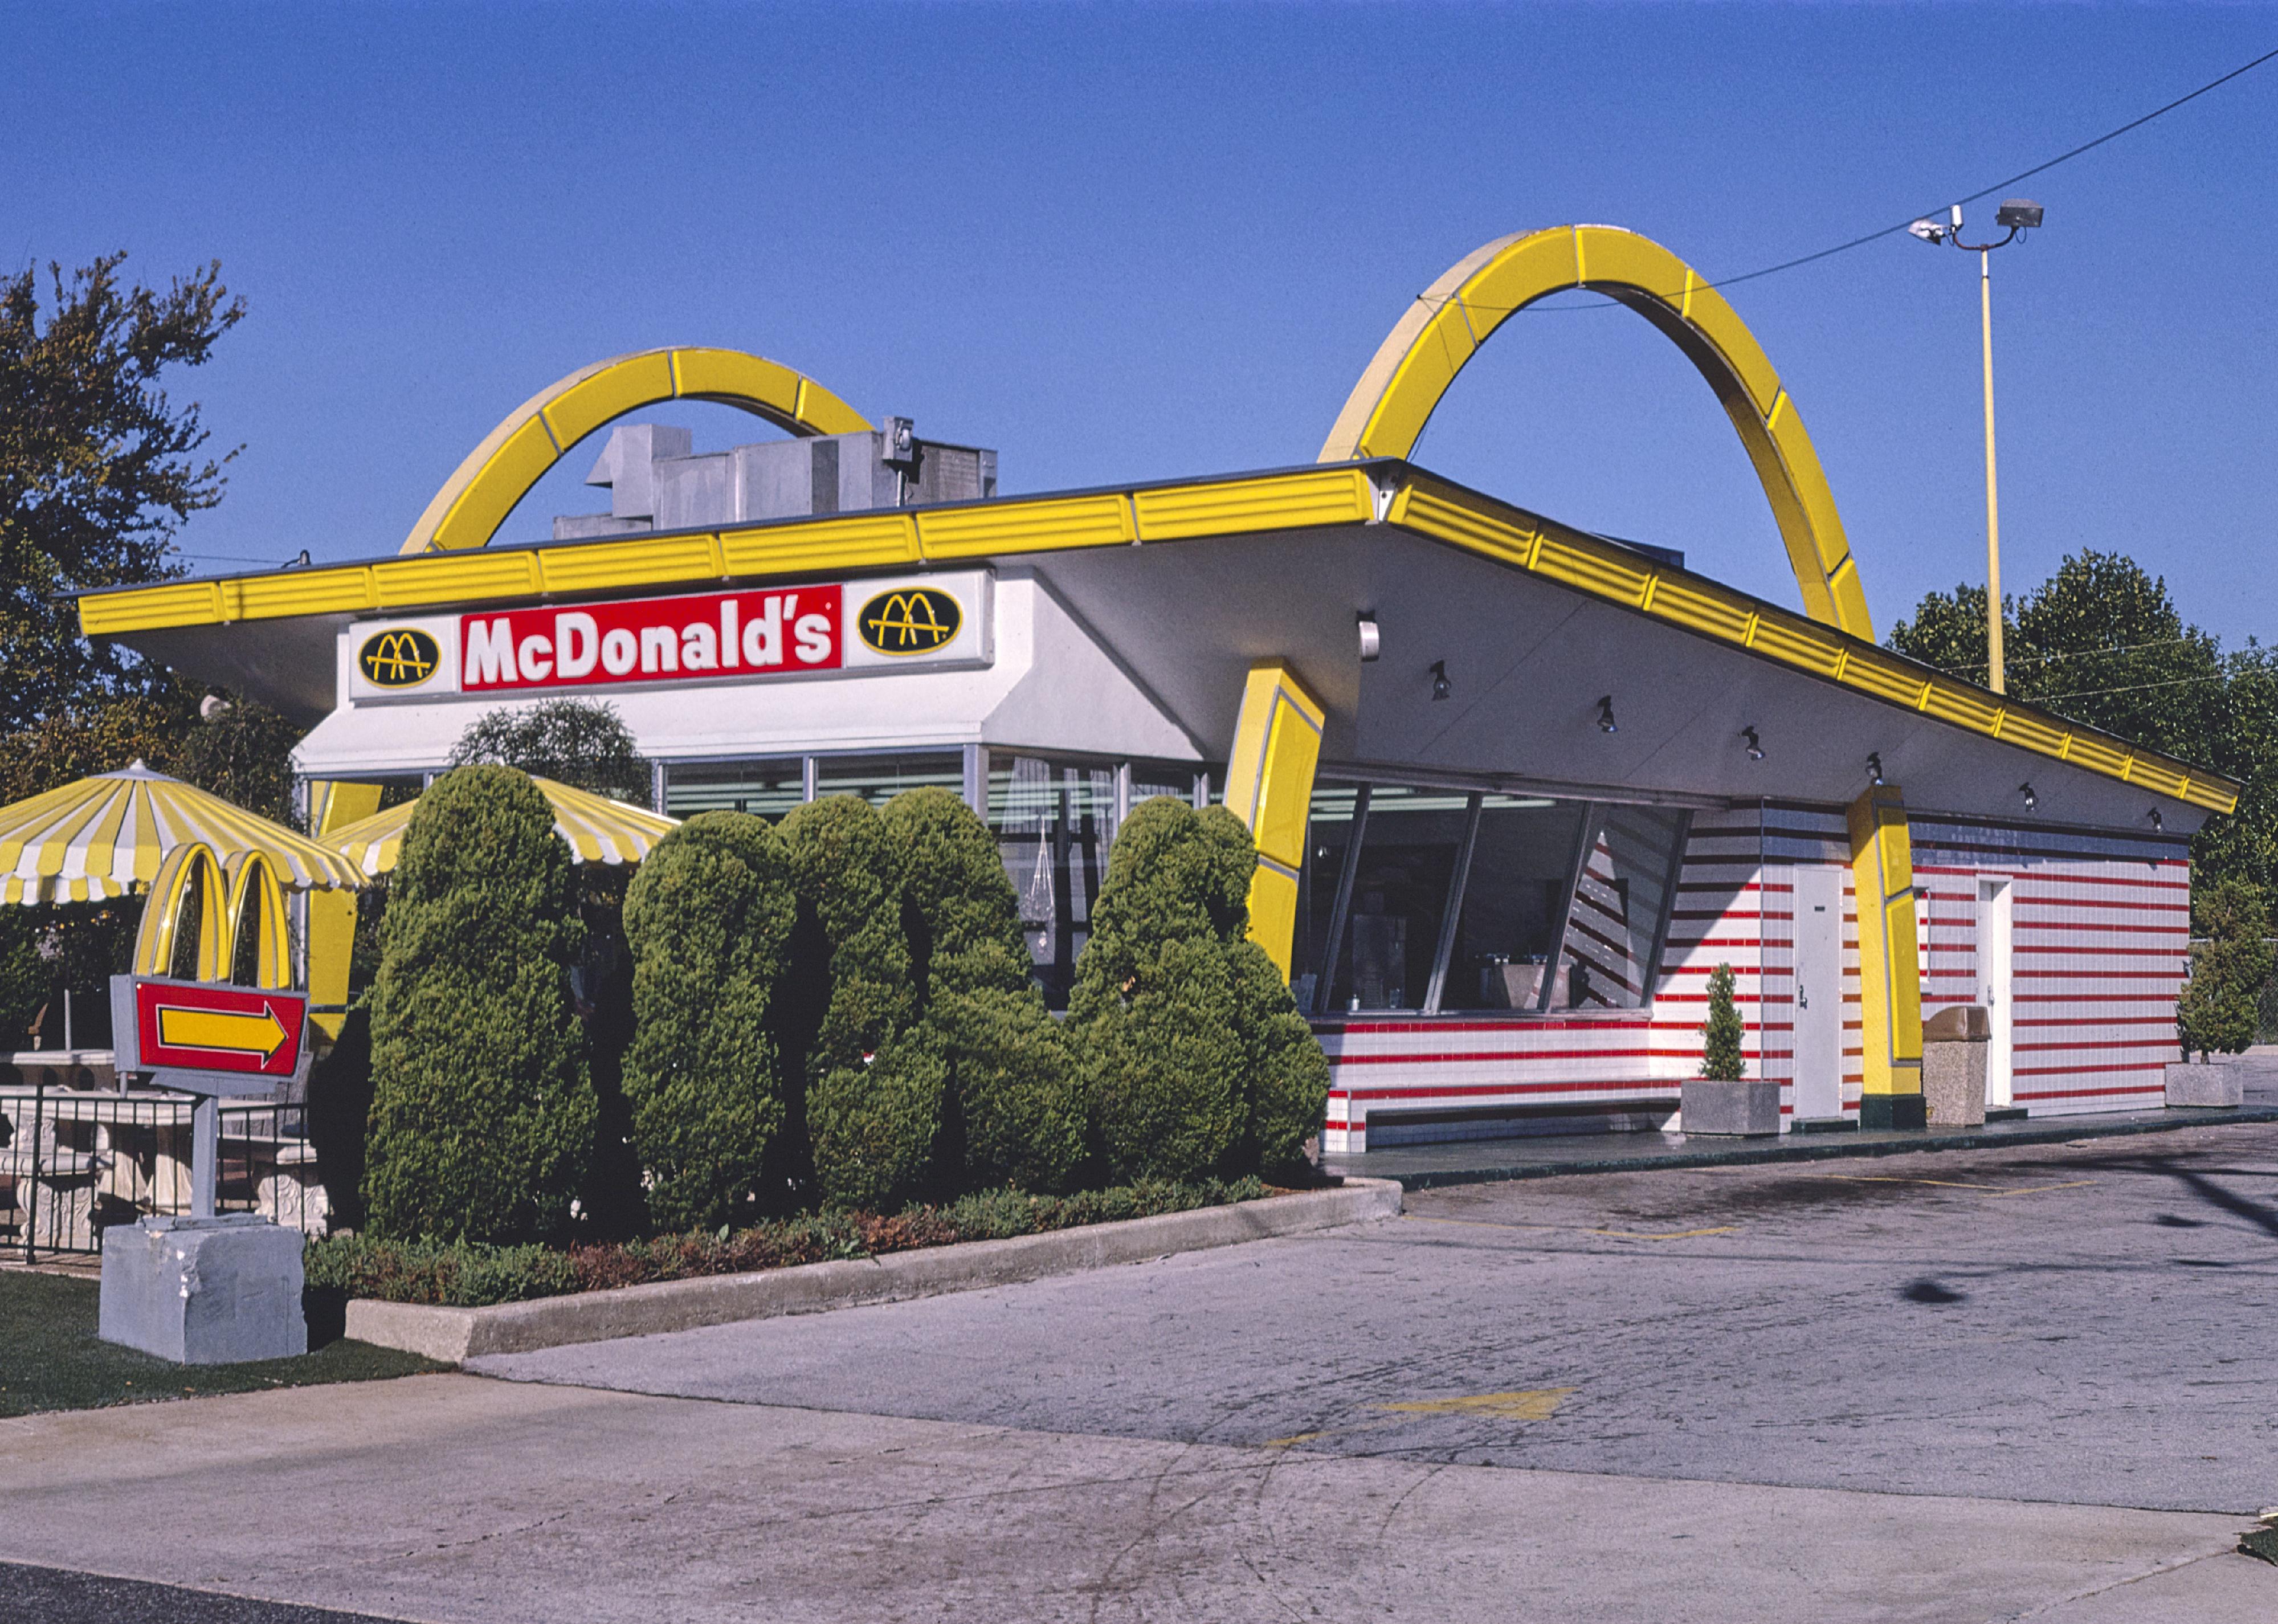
<point>2219,1007</point>
<point>1010,1074</point>
<point>1191,1052</point>
<point>483,1112</point>
<point>706,916</point>
<point>470,1274</point>
<point>874,1079</point>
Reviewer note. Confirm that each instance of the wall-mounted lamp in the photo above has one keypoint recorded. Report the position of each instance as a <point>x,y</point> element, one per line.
<point>1874,767</point>
<point>1606,715</point>
<point>1371,643</point>
<point>2032,798</point>
<point>2156,821</point>
<point>1755,744</point>
<point>1440,686</point>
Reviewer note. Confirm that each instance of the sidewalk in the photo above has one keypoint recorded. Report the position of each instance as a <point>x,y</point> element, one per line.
<point>1481,1162</point>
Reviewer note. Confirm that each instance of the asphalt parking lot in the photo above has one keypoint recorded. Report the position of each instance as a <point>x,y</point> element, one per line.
<point>2090,1325</point>
<point>1972,1386</point>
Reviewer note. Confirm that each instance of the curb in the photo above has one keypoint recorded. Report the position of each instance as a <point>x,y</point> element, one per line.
<point>452,1336</point>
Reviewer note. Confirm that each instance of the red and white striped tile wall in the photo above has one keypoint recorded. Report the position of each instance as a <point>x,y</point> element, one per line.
<point>2101,924</point>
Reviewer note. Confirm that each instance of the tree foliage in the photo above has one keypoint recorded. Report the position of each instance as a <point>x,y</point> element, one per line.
<point>1720,1059</point>
<point>874,1077</point>
<point>2102,642</point>
<point>707,917</point>
<point>1009,1071</point>
<point>98,467</point>
<point>2217,1010</point>
<point>577,742</point>
<point>1191,1052</point>
<point>483,1112</point>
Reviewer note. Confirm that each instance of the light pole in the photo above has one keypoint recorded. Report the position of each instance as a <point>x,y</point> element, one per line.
<point>2017,216</point>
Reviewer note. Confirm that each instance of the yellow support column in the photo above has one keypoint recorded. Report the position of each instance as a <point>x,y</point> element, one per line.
<point>1269,787</point>
<point>332,913</point>
<point>1890,979</point>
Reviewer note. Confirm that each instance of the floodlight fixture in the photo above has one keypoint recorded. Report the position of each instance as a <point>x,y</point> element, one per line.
<point>1929,230</point>
<point>1875,767</point>
<point>2018,214</point>
<point>1606,715</point>
<point>2032,797</point>
<point>1441,686</point>
<point>1755,744</point>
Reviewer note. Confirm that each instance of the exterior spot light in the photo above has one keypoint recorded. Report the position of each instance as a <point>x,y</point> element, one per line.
<point>2156,821</point>
<point>2032,799</point>
<point>1440,687</point>
<point>2018,214</point>
<point>1929,230</point>
<point>1606,715</point>
<point>1874,767</point>
<point>1371,643</point>
<point>1755,744</point>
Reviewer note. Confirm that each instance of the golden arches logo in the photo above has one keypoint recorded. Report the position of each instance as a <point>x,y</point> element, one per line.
<point>403,657</point>
<point>910,620</point>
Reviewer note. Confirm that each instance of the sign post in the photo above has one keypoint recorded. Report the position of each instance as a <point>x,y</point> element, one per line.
<point>206,1289</point>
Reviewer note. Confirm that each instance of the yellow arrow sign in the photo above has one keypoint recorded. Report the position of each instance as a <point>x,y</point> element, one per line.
<point>261,1034</point>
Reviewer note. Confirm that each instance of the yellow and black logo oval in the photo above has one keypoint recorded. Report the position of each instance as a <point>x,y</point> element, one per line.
<point>910,620</point>
<point>401,657</point>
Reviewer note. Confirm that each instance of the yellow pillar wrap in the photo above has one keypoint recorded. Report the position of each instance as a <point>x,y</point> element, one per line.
<point>1269,787</point>
<point>332,913</point>
<point>1890,979</point>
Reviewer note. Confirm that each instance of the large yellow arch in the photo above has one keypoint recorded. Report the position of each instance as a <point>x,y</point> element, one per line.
<point>1419,359</point>
<point>498,473</point>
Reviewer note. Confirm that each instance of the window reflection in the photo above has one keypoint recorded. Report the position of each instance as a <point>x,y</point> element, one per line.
<point>1515,906</point>
<point>1053,822</point>
<point>1620,900</point>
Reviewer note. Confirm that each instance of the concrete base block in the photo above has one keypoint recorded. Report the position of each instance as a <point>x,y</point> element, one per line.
<point>1953,1084</point>
<point>2202,1085</point>
<point>1742,1108</point>
<point>204,1291</point>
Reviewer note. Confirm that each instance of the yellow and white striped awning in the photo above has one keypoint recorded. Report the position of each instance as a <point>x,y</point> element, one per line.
<point>103,836</point>
<point>598,829</point>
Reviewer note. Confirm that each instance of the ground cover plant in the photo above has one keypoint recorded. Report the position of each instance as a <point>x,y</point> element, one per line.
<point>472,1274</point>
<point>50,1357</point>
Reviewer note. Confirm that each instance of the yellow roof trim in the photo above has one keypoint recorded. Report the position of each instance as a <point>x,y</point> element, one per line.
<point>1246,504</point>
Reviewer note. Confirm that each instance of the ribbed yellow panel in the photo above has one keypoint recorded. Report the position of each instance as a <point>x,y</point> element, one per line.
<point>1269,787</point>
<point>1024,527</point>
<point>419,583</point>
<point>838,544</point>
<point>1887,679</point>
<point>2157,776</point>
<point>1962,705</point>
<point>1798,643</point>
<point>2023,727</point>
<point>1602,572</point>
<point>647,562</point>
<point>1889,974</point>
<point>306,592</point>
<point>2213,792</point>
<point>147,608</point>
<point>2096,754</point>
<point>1714,613</point>
<point>1424,506</point>
<point>1342,496</point>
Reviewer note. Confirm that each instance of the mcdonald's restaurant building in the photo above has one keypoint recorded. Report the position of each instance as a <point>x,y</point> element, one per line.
<point>1517,789</point>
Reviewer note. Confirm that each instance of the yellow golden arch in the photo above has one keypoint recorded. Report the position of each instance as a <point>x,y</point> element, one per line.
<point>515,455</point>
<point>1419,358</point>
<point>205,922</point>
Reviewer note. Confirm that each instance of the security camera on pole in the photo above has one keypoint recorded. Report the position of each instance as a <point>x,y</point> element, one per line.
<point>2016,216</point>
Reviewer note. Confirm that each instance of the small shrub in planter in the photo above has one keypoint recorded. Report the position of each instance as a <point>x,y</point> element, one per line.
<point>1009,1072</point>
<point>2218,1010</point>
<point>483,1112</point>
<point>874,1079</point>
<point>1720,1059</point>
<point>706,917</point>
<point>1194,1058</point>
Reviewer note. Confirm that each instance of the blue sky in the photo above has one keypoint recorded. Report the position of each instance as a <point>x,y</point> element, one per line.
<point>1128,243</point>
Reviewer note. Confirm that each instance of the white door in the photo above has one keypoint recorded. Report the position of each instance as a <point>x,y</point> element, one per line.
<point>1818,992</point>
<point>1993,978</point>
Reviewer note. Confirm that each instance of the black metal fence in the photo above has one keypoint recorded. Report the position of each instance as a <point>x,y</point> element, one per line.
<point>75,1163</point>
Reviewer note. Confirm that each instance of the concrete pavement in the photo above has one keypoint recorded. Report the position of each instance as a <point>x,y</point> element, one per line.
<point>1973,1386</point>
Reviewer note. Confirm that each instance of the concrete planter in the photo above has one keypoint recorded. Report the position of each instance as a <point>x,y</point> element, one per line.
<point>1749,1108</point>
<point>2200,1084</point>
<point>456,1335</point>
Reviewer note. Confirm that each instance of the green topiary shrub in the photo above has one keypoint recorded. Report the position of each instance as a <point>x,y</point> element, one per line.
<point>1192,1056</point>
<point>2217,1011</point>
<point>1721,1060</point>
<point>874,1079</point>
<point>1009,1071</point>
<point>706,917</point>
<point>483,1113</point>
